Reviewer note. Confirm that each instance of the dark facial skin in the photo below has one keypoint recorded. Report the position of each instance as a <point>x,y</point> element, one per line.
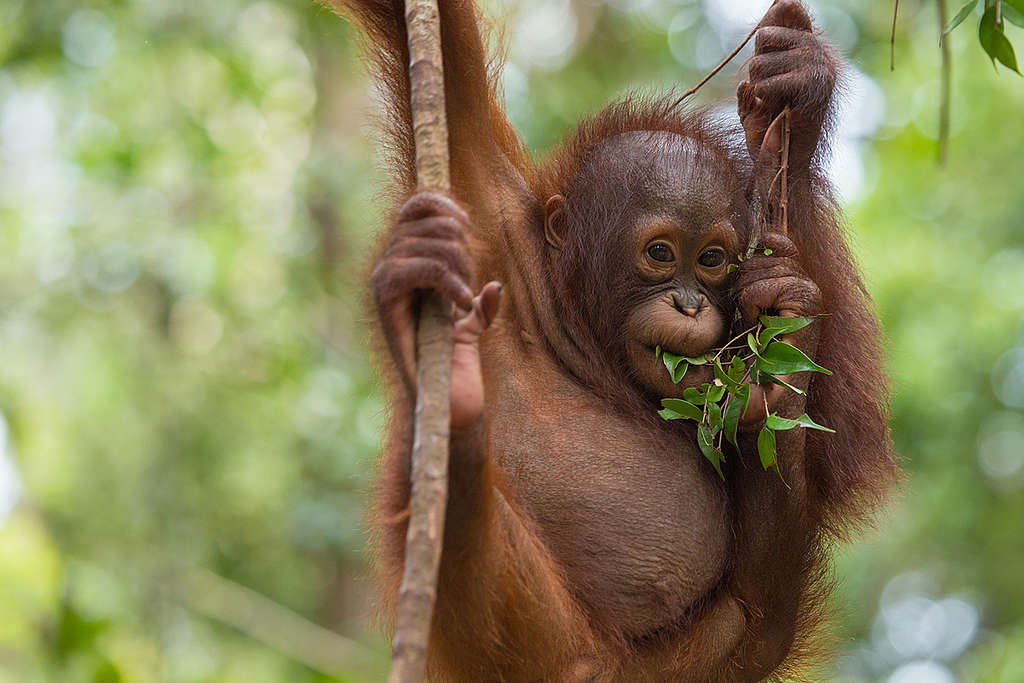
<point>671,239</point>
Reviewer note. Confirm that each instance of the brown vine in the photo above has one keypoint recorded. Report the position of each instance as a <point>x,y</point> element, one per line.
<point>721,65</point>
<point>429,492</point>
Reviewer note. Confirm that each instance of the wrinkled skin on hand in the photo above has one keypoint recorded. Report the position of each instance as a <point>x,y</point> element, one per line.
<point>776,284</point>
<point>790,67</point>
<point>428,251</point>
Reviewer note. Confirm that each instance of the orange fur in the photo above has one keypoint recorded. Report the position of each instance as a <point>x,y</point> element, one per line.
<point>507,609</point>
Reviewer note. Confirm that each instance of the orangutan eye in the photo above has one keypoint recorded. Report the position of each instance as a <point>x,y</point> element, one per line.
<point>712,258</point>
<point>661,253</point>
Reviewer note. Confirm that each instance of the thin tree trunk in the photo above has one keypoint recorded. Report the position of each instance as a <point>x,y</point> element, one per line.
<point>429,495</point>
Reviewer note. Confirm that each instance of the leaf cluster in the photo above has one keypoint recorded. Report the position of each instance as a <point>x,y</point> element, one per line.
<point>991,28</point>
<point>756,356</point>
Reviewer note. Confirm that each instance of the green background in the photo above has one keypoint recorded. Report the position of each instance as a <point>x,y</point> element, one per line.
<point>188,194</point>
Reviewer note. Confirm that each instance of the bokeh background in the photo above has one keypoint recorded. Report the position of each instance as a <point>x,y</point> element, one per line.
<point>188,417</point>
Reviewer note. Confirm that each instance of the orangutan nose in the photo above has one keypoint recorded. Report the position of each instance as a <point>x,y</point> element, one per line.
<point>688,304</point>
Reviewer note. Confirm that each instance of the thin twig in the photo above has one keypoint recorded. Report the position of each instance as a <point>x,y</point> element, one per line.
<point>784,119</point>
<point>728,343</point>
<point>429,472</point>
<point>746,375</point>
<point>946,86</point>
<point>776,177</point>
<point>738,345</point>
<point>784,192</point>
<point>755,237</point>
<point>892,37</point>
<point>721,65</point>
<point>783,173</point>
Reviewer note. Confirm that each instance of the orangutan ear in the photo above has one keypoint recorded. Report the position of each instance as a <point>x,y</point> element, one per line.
<point>554,221</point>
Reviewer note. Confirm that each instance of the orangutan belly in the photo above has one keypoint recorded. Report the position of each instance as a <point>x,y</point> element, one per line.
<point>636,519</point>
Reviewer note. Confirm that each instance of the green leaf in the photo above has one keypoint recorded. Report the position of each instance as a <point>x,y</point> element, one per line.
<point>703,359</point>
<point>767,252</point>
<point>714,417</point>
<point>781,423</point>
<point>775,380</point>
<point>994,41</point>
<point>715,393</point>
<point>776,423</point>
<point>657,351</point>
<point>707,447</point>
<point>735,409</point>
<point>960,16</point>
<point>780,358</point>
<point>732,268</point>
<point>1004,51</point>
<point>1013,14</point>
<point>776,325</point>
<point>986,29</point>
<point>724,377</point>
<point>737,369</point>
<point>766,336</point>
<point>681,409</point>
<point>752,343</point>
<point>693,395</point>
<point>807,423</point>
<point>677,365</point>
<point>766,448</point>
<point>784,324</point>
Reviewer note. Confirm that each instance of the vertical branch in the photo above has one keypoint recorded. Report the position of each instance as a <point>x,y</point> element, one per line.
<point>780,155</point>
<point>426,74</point>
<point>429,493</point>
<point>784,170</point>
<point>892,37</point>
<point>947,86</point>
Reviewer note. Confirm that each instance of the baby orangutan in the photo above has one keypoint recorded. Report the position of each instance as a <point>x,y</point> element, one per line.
<point>587,539</point>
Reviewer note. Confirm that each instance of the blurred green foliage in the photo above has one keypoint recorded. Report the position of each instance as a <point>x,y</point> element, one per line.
<point>188,193</point>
